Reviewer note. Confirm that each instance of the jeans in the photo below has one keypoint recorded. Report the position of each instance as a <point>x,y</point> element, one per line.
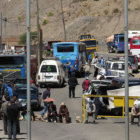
<point>12,128</point>
<point>46,105</point>
<point>5,124</point>
<point>92,115</point>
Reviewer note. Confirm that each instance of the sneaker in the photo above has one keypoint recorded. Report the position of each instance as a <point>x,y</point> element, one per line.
<point>86,121</point>
<point>54,121</point>
<point>94,121</point>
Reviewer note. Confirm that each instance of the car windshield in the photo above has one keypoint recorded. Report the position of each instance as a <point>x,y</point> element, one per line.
<point>22,93</point>
<point>48,68</point>
<point>121,39</point>
<point>118,66</point>
<point>65,49</point>
<point>136,42</point>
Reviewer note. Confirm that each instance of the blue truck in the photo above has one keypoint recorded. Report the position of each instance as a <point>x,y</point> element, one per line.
<point>115,43</point>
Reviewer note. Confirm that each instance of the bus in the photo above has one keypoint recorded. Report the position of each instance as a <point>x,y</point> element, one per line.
<point>71,54</point>
<point>91,46</point>
<point>135,47</point>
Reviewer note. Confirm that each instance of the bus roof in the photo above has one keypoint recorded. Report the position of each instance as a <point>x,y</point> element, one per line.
<point>60,43</point>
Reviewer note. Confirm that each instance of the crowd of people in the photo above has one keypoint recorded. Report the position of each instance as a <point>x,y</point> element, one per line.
<point>11,107</point>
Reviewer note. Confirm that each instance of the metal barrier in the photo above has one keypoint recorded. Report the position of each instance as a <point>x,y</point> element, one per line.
<point>119,101</point>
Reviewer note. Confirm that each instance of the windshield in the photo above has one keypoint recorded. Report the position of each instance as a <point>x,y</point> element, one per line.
<point>65,48</point>
<point>90,43</point>
<point>11,62</point>
<point>22,93</point>
<point>136,42</point>
<point>85,37</point>
<point>118,66</point>
<point>121,39</point>
<point>48,68</point>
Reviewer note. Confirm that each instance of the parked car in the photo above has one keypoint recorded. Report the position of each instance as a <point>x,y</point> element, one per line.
<point>51,72</point>
<point>120,81</point>
<point>21,93</point>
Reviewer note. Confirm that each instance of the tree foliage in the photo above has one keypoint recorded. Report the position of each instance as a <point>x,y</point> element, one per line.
<point>22,38</point>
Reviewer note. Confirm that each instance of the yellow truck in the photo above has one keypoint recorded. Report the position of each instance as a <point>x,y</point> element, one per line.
<point>91,45</point>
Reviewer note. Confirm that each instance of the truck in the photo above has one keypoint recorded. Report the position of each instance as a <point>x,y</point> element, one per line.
<point>13,66</point>
<point>115,43</point>
<point>131,34</point>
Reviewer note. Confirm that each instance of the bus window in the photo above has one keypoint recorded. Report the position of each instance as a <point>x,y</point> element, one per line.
<point>65,48</point>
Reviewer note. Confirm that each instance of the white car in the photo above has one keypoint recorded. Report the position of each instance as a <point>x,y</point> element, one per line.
<point>51,72</point>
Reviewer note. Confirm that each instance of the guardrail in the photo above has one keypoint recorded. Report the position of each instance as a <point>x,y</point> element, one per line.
<point>119,101</point>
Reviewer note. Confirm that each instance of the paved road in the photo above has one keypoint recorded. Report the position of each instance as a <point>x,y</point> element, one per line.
<point>105,129</point>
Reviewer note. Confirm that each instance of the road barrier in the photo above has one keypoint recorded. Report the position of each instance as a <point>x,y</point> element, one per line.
<point>119,101</point>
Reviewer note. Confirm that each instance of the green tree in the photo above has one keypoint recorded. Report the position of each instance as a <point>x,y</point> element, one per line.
<point>22,38</point>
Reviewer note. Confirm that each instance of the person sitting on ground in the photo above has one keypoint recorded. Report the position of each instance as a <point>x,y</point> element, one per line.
<point>135,113</point>
<point>86,84</point>
<point>90,111</point>
<point>63,113</point>
<point>52,113</point>
<point>24,114</point>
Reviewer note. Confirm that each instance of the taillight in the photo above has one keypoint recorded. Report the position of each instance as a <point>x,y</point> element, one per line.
<point>135,59</point>
<point>58,77</point>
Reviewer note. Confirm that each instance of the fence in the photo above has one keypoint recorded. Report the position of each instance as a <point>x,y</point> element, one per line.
<point>119,101</point>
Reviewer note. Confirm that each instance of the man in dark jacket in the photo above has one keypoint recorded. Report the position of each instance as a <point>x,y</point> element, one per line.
<point>72,84</point>
<point>12,113</point>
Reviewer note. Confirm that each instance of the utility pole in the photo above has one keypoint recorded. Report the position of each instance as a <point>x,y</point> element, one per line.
<point>5,19</point>
<point>28,71</point>
<point>0,31</point>
<point>65,37</point>
<point>126,70</point>
<point>39,48</point>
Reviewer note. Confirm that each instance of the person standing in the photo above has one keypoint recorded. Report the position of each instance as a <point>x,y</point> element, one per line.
<point>46,94</point>
<point>89,58</point>
<point>12,113</point>
<point>90,111</point>
<point>95,73</point>
<point>87,69</point>
<point>72,84</point>
<point>86,84</point>
<point>102,62</point>
<point>4,114</point>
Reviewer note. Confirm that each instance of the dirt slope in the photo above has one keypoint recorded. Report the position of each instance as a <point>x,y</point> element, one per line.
<point>100,18</point>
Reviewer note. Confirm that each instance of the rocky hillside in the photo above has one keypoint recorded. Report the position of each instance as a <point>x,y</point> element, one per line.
<point>100,18</point>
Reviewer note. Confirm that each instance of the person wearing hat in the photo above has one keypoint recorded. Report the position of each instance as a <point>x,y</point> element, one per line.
<point>90,111</point>
<point>63,113</point>
<point>135,113</point>
<point>86,84</point>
